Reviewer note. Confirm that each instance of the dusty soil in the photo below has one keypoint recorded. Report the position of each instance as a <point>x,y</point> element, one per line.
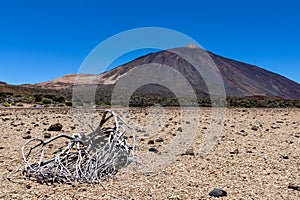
<point>257,156</point>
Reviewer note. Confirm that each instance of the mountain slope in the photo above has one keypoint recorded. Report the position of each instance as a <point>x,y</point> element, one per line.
<point>240,79</point>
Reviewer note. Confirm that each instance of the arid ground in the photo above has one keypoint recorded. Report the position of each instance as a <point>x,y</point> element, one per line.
<point>257,156</point>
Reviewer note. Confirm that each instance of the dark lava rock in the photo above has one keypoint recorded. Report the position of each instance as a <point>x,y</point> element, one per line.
<point>154,150</point>
<point>179,129</point>
<point>285,157</point>
<point>236,151</point>
<point>26,136</point>
<point>254,128</point>
<point>28,186</point>
<point>47,135</point>
<point>151,142</point>
<point>249,151</point>
<point>159,140</point>
<point>294,187</point>
<point>217,193</point>
<point>55,127</point>
<point>1,148</point>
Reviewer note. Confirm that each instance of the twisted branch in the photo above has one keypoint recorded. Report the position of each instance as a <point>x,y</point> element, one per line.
<point>84,158</point>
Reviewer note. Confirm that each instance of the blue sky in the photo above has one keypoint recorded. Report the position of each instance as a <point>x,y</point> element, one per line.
<point>42,40</point>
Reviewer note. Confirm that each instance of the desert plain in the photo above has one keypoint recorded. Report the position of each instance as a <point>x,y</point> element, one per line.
<point>257,156</point>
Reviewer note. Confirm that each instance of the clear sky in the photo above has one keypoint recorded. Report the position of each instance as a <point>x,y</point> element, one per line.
<point>42,40</point>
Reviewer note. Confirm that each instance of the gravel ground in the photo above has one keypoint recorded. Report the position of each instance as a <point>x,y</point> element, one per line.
<point>256,156</point>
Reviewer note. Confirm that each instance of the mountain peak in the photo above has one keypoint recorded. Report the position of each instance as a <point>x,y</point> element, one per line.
<point>192,45</point>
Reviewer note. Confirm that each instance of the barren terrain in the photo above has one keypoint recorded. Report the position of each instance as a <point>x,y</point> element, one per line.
<point>257,156</point>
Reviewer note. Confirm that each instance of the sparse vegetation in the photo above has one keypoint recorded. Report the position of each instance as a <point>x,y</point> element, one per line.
<point>5,104</point>
<point>14,95</point>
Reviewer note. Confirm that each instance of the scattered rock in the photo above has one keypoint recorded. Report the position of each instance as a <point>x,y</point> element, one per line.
<point>47,135</point>
<point>189,152</point>
<point>159,140</point>
<point>254,128</point>
<point>275,127</point>
<point>55,127</point>
<point>284,157</point>
<point>249,151</point>
<point>151,142</point>
<point>242,133</point>
<point>1,148</point>
<point>28,186</point>
<point>289,141</point>
<point>217,193</point>
<point>154,150</point>
<point>297,135</point>
<point>236,151</point>
<point>26,137</point>
<point>179,129</point>
<point>294,187</point>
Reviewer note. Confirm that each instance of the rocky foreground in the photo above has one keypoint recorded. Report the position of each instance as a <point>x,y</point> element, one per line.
<point>257,156</point>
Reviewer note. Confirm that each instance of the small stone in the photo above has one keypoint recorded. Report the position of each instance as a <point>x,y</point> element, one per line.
<point>47,135</point>
<point>275,127</point>
<point>236,151</point>
<point>1,148</point>
<point>217,193</point>
<point>249,151</point>
<point>254,128</point>
<point>151,142</point>
<point>26,137</point>
<point>55,127</point>
<point>159,140</point>
<point>289,141</point>
<point>189,152</point>
<point>294,187</point>
<point>154,150</point>
<point>285,157</point>
<point>28,186</point>
<point>242,133</point>
<point>179,129</point>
